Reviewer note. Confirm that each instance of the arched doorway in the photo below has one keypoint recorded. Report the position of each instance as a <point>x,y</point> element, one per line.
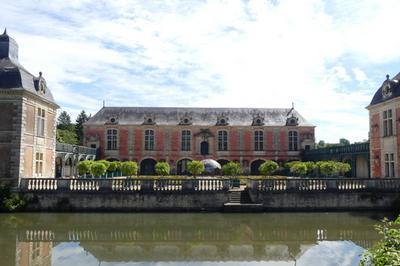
<point>68,168</point>
<point>254,167</point>
<point>222,162</point>
<point>147,167</point>
<point>204,147</point>
<point>181,167</point>
<point>58,167</point>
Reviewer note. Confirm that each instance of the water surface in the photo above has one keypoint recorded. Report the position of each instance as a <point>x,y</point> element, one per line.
<point>186,238</point>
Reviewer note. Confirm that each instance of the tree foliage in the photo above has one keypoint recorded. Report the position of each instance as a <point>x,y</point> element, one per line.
<point>232,169</point>
<point>129,168</point>
<point>106,164</point>
<point>299,168</point>
<point>82,118</point>
<point>195,168</point>
<point>387,250</point>
<point>64,121</point>
<point>268,168</point>
<point>66,136</point>
<point>162,168</point>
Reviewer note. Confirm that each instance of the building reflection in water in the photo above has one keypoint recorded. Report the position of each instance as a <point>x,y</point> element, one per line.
<point>181,237</point>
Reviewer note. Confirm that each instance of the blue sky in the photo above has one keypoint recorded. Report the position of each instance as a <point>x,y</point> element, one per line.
<point>328,57</point>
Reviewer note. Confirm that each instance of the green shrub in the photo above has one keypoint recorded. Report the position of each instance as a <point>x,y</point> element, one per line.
<point>343,168</point>
<point>387,250</point>
<point>299,168</point>
<point>106,163</point>
<point>84,167</point>
<point>162,168</point>
<point>268,168</point>
<point>328,168</point>
<point>129,168</point>
<point>232,169</point>
<point>195,168</point>
<point>112,167</point>
<point>14,203</point>
<point>311,167</point>
<point>98,168</point>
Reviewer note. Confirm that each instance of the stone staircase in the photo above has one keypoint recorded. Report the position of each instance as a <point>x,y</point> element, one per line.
<point>240,201</point>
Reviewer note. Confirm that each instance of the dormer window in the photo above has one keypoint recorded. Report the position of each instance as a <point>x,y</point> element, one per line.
<point>292,121</point>
<point>149,120</point>
<point>258,120</point>
<point>112,120</point>
<point>185,120</point>
<point>222,120</point>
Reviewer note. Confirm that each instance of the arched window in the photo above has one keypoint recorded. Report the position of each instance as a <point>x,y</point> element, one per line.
<point>186,140</point>
<point>149,140</point>
<point>293,139</point>
<point>258,140</point>
<point>112,137</point>
<point>222,140</point>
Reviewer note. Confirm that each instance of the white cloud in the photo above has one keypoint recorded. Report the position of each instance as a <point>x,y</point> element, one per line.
<point>213,53</point>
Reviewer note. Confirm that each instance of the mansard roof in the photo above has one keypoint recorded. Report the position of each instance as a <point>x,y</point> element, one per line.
<point>389,89</point>
<point>198,116</point>
<point>14,77</point>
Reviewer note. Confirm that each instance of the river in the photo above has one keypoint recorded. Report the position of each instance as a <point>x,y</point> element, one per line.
<point>186,238</point>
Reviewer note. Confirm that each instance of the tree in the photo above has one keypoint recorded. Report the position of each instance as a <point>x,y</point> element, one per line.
<point>387,250</point>
<point>232,169</point>
<point>64,121</point>
<point>84,167</point>
<point>299,168</point>
<point>321,144</point>
<point>98,169</point>
<point>268,168</point>
<point>162,168</point>
<point>129,168</point>
<point>195,168</point>
<point>344,141</point>
<point>82,118</point>
<point>66,136</point>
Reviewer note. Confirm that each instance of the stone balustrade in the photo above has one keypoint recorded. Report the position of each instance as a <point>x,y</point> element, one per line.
<point>325,184</point>
<point>122,184</point>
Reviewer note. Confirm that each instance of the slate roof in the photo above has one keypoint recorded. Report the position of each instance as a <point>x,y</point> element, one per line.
<point>198,116</point>
<point>394,84</point>
<point>15,77</point>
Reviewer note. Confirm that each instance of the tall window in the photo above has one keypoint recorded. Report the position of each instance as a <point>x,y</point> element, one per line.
<point>222,140</point>
<point>112,136</point>
<point>149,140</point>
<point>39,164</point>
<point>387,123</point>
<point>258,140</point>
<point>389,165</point>
<point>40,118</point>
<point>293,139</point>
<point>186,140</point>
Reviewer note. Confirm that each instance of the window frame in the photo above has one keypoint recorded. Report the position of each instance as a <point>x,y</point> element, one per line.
<point>186,140</point>
<point>387,122</point>
<point>39,163</point>
<point>293,140</point>
<point>258,139</point>
<point>222,140</point>
<point>40,122</point>
<point>389,165</point>
<point>112,139</point>
<point>149,140</point>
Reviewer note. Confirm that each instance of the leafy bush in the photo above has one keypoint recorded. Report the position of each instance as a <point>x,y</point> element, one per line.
<point>112,167</point>
<point>106,163</point>
<point>232,169</point>
<point>387,250</point>
<point>328,168</point>
<point>268,168</point>
<point>162,168</point>
<point>84,167</point>
<point>195,168</point>
<point>98,169</point>
<point>343,168</point>
<point>129,168</point>
<point>311,167</point>
<point>14,203</point>
<point>299,168</point>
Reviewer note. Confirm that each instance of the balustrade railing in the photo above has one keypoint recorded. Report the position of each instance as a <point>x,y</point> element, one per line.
<point>123,184</point>
<point>325,184</point>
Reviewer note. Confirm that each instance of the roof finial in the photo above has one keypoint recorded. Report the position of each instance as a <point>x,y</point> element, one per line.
<point>387,76</point>
<point>5,31</point>
<point>104,103</point>
<point>40,73</point>
<point>292,105</point>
